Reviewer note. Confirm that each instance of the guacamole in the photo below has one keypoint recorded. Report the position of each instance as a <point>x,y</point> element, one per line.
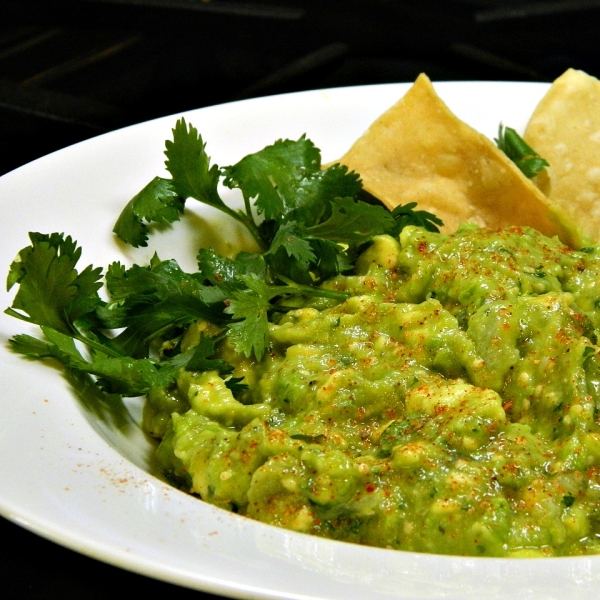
<point>449,405</point>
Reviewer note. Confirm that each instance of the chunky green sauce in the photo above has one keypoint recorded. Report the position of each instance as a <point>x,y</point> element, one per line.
<point>450,405</point>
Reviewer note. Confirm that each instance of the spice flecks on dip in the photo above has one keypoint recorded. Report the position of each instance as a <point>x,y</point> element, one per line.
<point>448,406</point>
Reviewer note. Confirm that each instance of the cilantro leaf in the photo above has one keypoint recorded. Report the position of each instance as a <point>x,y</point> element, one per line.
<point>148,321</point>
<point>121,375</point>
<point>149,302</point>
<point>35,348</point>
<point>309,255</point>
<point>274,175</point>
<point>189,166</point>
<point>51,291</point>
<point>332,259</point>
<point>288,183</point>
<point>131,377</point>
<point>405,214</point>
<point>289,239</point>
<point>156,203</point>
<point>514,146</point>
<point>329,260</point>
<point>160,277</point>
<point>200,359</point>
<point>249,309</point>
<point>225,273</point>
<point>352,222</point>
<point>53,295</point>
<point>322,187</point>
<point>194,177</point>
<point>235,384</point>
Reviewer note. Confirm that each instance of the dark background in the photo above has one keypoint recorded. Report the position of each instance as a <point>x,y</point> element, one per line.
<point>70,70</point>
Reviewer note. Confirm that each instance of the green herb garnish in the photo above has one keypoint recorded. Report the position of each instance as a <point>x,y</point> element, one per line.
<point>309,223</point>
<point>514,146</point>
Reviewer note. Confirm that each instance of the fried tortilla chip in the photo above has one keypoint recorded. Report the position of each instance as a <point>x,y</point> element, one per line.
<point>419,151</point>
<point>565,130</point>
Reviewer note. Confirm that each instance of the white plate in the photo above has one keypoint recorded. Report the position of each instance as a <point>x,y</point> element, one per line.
<point>82,476</point>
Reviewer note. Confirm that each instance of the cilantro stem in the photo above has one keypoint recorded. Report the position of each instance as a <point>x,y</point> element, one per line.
<point>308,290</point>
<point>97,346</point>
<point>252,226</point>
<point>74,334</point>
<point>246,219</point>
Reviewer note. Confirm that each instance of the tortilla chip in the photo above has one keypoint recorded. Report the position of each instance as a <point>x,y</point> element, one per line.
<point>565,130</point>
<point>419,151</point>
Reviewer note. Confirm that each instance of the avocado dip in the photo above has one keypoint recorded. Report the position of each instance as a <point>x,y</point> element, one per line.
<point>449,406</point>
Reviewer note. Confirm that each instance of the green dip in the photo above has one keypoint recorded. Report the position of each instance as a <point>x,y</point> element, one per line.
<point>450,405</point>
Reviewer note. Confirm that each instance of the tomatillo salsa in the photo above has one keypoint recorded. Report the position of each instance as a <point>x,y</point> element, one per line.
<point>450,405</point>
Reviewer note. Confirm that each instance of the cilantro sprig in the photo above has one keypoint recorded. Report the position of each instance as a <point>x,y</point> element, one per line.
<point>282,185</point>
<point>309,222</point>
<point>64,303</point>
